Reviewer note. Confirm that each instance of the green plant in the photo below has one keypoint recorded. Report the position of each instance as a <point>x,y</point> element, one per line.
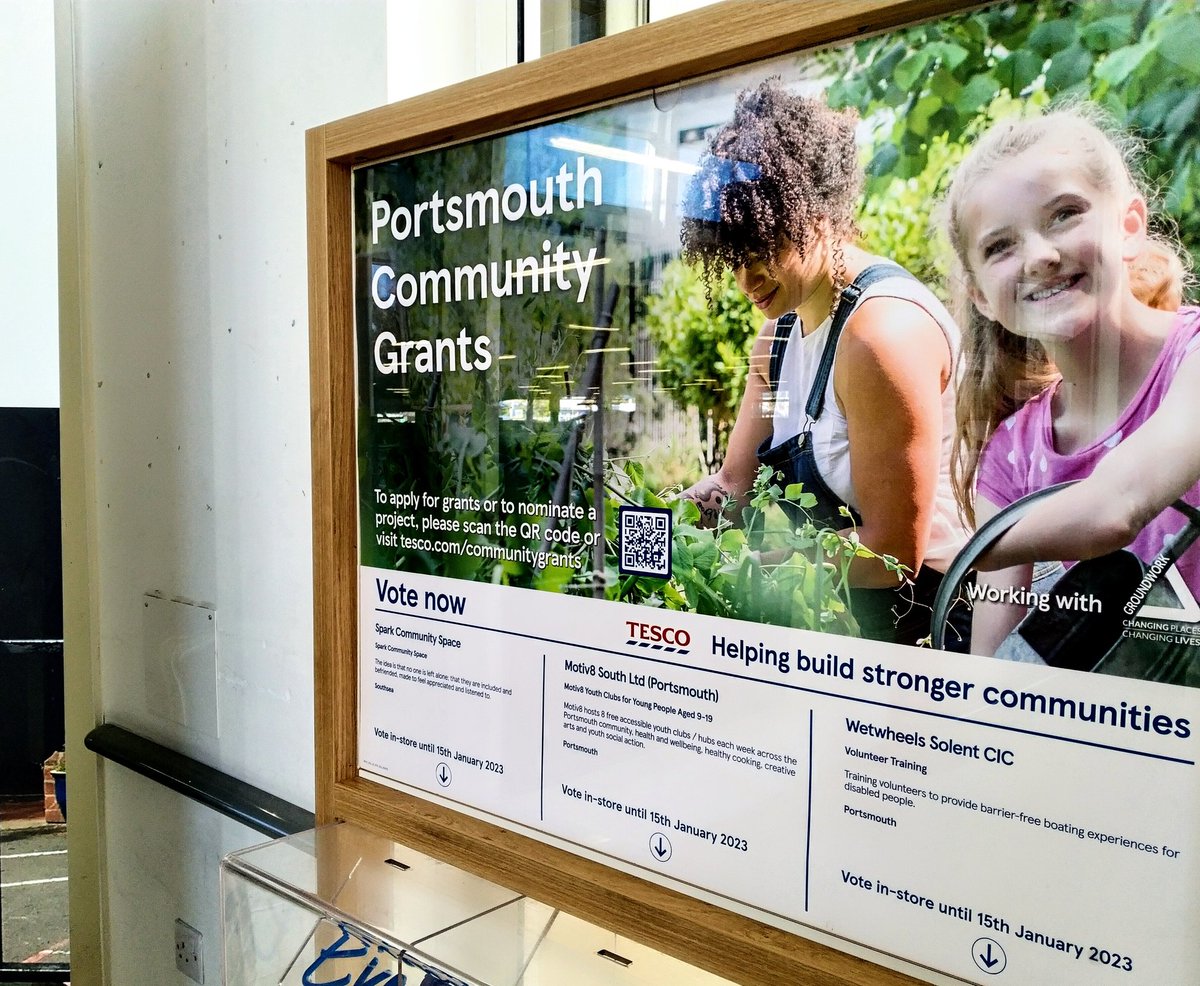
<point>939,83</point>
<point>702,350</point>
<point>768,570</point>
<point>668,464</point>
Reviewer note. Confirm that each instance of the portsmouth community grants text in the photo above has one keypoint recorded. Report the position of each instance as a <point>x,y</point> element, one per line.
<point>557,267</point>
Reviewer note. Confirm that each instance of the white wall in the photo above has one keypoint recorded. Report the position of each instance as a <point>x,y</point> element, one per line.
<point>185,354</point>
<point>470,38</point>
<point>190,156</point>
<point>28,251</point>
<point>662,9</point>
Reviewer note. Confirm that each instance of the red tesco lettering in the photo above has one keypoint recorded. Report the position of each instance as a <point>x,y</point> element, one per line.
<point>651,631</point>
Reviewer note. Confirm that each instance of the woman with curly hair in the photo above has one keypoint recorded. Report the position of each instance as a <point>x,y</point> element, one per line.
<point>850,390</point>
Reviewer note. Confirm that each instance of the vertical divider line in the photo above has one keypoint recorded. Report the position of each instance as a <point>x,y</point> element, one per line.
<point>542,773</point>
<point>808,824</point>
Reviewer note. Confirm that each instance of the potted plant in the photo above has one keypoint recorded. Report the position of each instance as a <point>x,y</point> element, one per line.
<point>58,770</point>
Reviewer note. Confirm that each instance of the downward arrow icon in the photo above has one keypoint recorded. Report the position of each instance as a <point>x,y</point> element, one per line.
<point>987,959</point>
<point>989,956</point>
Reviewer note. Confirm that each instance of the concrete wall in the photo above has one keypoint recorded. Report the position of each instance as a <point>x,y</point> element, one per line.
<point>183,134</point>
<point>185,409</point>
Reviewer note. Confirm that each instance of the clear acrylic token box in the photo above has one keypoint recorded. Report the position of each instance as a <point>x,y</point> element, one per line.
<point>340,906</point>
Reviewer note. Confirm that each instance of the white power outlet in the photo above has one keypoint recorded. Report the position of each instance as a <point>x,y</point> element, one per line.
<point>187,951</point>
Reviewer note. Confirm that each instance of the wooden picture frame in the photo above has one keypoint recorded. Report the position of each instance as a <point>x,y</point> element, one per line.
<point>637,62</point>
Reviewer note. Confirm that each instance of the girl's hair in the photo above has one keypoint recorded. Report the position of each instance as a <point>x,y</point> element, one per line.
<point>786,166</point>
<point>1000,371</point>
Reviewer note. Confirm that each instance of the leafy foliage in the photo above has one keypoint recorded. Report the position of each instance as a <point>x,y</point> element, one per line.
<point>766,571</point>
<point>703,351</point>
<point>899,226</point>
<point>937,84</point>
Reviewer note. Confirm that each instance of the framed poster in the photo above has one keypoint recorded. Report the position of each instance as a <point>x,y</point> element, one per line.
<point>707,546</point>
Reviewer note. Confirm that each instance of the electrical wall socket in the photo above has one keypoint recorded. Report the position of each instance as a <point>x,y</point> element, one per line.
<point>187,951</point>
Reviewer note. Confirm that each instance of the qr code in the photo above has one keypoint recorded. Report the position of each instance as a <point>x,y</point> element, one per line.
<point>644,540</point>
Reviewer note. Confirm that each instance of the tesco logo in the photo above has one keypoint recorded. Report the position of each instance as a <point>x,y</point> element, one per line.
<point>653,633</point>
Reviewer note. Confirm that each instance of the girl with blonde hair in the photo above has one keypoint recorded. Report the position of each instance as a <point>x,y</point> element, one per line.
<point>1078,361</point>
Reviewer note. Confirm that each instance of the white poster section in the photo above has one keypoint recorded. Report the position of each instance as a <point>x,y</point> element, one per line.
<point>986,821</point>
<point>956,811</point>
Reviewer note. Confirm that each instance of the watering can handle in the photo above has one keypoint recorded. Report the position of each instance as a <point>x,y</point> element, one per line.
<point>979,542</point>
<point>990,532</point>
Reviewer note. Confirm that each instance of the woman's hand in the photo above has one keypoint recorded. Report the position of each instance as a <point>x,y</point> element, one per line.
<point>710,497</point>
<point>735,478</point>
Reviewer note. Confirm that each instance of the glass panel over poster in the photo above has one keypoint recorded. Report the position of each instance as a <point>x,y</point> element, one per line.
<point>713,445</point>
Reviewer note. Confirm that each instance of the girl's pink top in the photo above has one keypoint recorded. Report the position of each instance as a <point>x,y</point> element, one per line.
<point>1020,457</point>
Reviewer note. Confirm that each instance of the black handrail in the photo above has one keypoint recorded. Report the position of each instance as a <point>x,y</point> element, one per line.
<point>252,806</point>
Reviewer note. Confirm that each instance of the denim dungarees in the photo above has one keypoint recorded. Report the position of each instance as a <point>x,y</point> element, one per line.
<point>899,615</point>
